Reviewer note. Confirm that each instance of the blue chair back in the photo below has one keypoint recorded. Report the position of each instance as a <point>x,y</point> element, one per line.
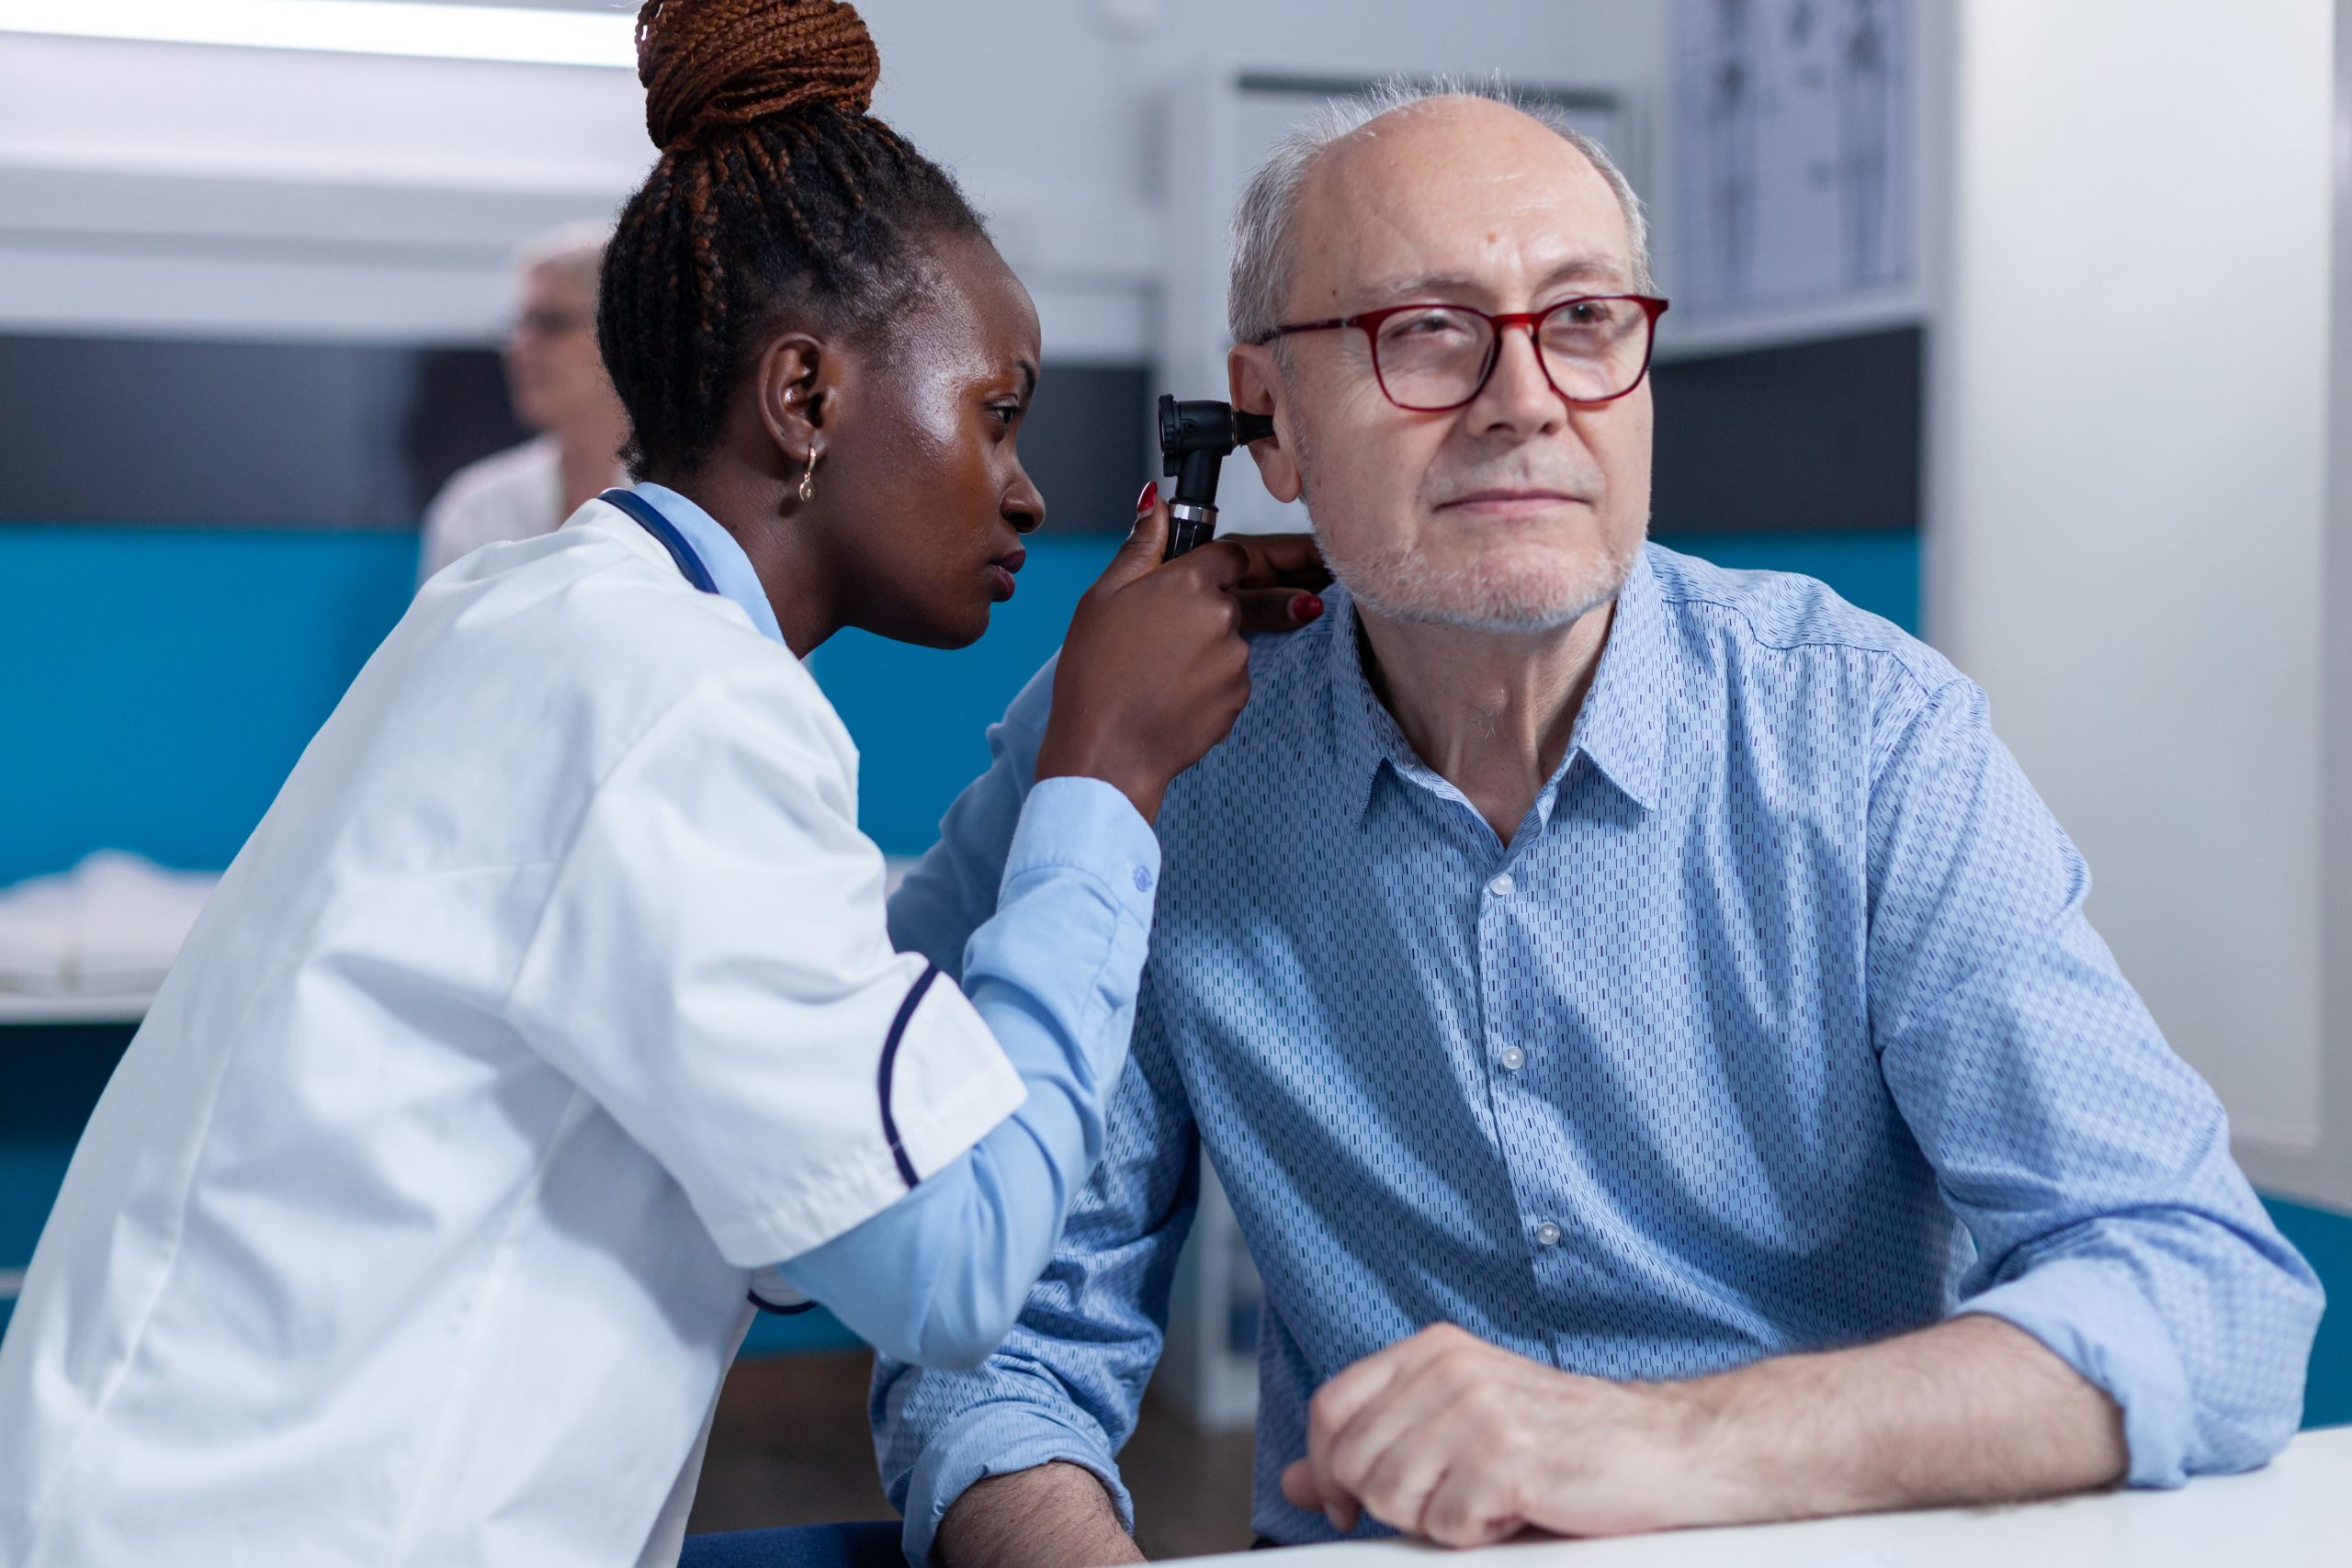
<point>805,1546</point>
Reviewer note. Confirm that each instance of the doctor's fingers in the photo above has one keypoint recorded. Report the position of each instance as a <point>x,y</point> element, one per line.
<point>1276,609</point>
<point>1258,560</point>
<point>1140,553</point>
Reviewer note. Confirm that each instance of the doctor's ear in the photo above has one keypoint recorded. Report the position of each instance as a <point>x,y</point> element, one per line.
<point>793,383</point>
<point>1256,384</point>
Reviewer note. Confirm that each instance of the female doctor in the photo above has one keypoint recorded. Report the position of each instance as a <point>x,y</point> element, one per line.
<point>547,1021</point>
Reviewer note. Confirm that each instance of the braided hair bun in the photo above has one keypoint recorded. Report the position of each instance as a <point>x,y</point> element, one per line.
<point>723,62</point>
<point>777,197</point>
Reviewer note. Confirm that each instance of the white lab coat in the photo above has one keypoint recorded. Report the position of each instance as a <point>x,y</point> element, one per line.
<point>543,1010</point>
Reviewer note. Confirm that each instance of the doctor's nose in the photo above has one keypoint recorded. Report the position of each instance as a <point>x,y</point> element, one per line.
<point>1024,506</point>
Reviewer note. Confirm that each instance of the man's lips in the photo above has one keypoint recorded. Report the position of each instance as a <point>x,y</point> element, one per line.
<point>1511,502</point>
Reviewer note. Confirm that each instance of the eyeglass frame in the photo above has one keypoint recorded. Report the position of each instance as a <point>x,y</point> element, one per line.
<point>1652,306</point>
<point>545,322</point>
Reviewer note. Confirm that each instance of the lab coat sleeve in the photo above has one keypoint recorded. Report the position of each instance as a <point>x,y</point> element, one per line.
<point>1066,1382</point>
<point>2090,1165</point>
<point>939,1279</point>
<point>711,965</point>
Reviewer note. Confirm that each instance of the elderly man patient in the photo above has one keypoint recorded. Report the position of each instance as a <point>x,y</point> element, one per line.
<point>1645,1022</point>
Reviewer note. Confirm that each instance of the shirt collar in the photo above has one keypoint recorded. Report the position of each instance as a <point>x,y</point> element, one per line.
<point>1619,728</point>
<point>730,567</point>
<point>1623,726</point>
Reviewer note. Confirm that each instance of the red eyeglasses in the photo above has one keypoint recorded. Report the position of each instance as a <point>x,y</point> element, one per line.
<point>1430,358</point>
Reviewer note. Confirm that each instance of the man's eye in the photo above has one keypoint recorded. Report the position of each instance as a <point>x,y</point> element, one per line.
<point>1431,325</point>
<point>1008,414</point>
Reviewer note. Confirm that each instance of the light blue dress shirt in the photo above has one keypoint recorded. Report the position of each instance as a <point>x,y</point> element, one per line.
<point>1051,968</point>
<point>1778,1026</point>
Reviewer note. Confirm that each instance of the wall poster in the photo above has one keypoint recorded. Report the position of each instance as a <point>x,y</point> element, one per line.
<point>1793,155</point>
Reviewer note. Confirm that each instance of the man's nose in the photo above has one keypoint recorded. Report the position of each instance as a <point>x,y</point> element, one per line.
<point>1518,395</point>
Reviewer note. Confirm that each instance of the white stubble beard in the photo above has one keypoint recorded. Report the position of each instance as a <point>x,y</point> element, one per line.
<point>1398,582</point>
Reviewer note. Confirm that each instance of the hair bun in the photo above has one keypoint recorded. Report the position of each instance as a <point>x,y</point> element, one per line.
<point>709,63</point>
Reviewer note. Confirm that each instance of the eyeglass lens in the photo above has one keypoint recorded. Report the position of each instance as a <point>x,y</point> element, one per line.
<point>1437,356</point>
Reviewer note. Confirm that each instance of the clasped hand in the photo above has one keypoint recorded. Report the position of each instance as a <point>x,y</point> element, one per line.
<point>1446,1436</point>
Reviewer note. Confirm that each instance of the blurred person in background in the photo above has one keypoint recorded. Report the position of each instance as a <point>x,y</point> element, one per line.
<point>557,379</point>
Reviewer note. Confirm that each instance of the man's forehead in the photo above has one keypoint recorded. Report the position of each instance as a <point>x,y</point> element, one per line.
<point>550,281</point>
<point>1460,196</point>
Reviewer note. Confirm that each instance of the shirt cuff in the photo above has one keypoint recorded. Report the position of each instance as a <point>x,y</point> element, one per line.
<point>997,1440</point>
<point>2102,1326</point>
<point>1086,825</point>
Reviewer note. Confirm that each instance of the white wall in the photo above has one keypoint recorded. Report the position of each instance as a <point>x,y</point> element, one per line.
<point>2129,456</point>
<point>189,188</point>
<point>2326,1170</point>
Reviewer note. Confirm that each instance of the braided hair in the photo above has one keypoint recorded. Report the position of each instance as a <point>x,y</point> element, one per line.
<point>775,194</point>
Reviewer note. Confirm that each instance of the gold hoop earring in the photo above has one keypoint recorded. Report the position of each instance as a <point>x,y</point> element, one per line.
<point>808,479</point>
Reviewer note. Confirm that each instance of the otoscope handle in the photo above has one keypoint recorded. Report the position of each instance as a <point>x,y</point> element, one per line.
<point>1189,527</point>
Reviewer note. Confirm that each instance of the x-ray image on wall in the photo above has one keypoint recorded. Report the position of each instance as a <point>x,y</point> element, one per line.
<point>1792,137</point>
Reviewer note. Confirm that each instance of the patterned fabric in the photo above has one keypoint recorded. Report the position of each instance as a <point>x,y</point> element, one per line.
<point>1777,1026</point>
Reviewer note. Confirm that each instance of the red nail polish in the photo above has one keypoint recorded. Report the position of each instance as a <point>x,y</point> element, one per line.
<point>1151,494</point>
<point>1306,607</point>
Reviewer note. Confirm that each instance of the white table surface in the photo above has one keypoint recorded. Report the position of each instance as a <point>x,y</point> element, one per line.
<point>2295,1511</point>
<point>17,1007</point>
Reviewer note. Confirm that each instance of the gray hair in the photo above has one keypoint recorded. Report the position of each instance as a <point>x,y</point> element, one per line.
<point>1263,245</point>
<point>574,250</point>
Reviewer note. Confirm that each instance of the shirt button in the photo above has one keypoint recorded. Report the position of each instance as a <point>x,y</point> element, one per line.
<point>1548,1233</point>
<point>1143,880</point>
<point>1512,1058</point>
<point>1502,886</point>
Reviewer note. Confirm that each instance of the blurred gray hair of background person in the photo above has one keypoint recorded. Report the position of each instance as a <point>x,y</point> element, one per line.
<point>556,379</point>
<point>1263,244</point>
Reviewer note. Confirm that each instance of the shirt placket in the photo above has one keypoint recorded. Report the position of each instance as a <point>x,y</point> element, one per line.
<point>1533,1162</point>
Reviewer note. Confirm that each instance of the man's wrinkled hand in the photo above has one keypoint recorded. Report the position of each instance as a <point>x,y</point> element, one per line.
<point>1446,1436</point>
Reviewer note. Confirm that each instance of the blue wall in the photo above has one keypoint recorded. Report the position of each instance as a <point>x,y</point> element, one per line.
<point>157,684</point>
<point>2324,1237</point>
<point>162,680</point>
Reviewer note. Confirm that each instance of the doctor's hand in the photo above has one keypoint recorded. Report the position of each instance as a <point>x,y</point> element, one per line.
<point>1156,667</point>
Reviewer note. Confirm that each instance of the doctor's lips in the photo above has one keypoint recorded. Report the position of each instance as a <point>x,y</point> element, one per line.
<point>1001,572</point>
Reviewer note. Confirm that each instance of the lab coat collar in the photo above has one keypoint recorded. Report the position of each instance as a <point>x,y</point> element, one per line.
<point>730,567</point>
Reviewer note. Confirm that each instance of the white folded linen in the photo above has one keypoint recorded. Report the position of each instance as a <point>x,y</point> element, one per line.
<point>108,928</point>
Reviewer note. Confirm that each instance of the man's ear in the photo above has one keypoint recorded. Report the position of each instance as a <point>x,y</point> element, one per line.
<point>1257,383</point>
<point>793,382</point>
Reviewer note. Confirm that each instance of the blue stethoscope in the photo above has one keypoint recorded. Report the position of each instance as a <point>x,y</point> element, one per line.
<point>661,527</point>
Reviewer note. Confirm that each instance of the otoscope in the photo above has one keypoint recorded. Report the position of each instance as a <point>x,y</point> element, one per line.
<point>1195,438</point>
